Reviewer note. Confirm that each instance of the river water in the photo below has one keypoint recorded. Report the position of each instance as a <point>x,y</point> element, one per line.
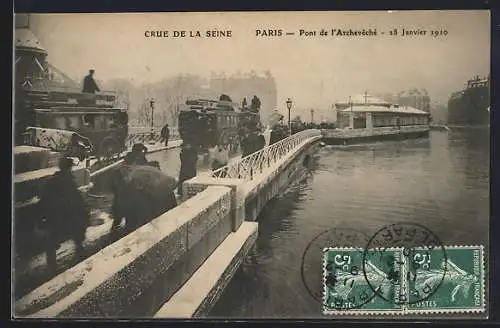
<point>441,182</point>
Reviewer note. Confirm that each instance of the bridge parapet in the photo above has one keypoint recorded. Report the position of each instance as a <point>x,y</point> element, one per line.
<point>136,275</point>
<point>254,164</point>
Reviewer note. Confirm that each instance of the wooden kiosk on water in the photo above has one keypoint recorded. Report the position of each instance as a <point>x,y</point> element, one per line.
<point>371,119</point>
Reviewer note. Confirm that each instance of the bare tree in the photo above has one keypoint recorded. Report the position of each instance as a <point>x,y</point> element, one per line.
<point>122,98</point>
<point>175,95</point>
<point>144,113</point>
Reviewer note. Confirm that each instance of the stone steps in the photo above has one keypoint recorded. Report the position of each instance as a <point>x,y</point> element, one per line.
<point>29,158</point>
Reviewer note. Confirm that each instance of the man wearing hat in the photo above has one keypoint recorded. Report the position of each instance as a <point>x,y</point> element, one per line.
<point>65,212</point>
<point>89,85</point>
<point>137,156</point>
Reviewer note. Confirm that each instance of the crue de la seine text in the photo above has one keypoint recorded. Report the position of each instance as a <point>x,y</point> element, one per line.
<point>213,33</point>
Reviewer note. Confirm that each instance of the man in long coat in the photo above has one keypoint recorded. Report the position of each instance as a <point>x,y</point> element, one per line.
<point>189,160</point>
<point>65,212</point>
<point>165,134</point>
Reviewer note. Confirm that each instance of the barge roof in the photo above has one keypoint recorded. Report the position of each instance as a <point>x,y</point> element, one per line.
<point>384,109</point>
<point>364,100</point>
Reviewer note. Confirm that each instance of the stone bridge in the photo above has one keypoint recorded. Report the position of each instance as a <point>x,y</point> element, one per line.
<point>178,265</point>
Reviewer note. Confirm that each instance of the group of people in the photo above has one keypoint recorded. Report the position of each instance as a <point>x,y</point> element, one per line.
<point>251,143</point>
<point>65,214</point>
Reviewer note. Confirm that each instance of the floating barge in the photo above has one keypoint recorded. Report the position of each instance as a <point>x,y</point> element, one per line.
<point>372,119</point>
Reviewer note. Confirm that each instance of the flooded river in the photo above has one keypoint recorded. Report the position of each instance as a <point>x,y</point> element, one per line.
<point>441,182</point>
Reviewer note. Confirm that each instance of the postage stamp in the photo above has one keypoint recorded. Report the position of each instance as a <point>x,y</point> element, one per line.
<point>346,291</point>
<point>461,290</point>
<point>404,280</point>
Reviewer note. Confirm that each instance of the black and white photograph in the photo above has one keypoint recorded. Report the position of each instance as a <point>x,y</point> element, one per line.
<point>251,165</point>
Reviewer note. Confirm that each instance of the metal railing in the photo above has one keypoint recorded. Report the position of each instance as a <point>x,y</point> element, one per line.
<point>147,135</point>
<point>254,164</point>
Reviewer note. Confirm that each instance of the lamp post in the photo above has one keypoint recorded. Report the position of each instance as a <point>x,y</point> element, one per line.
<point>152,105</point>
<point>289,106</point>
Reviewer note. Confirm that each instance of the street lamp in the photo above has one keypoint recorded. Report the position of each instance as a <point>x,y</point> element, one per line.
<point>289,106</point>
<point>152,105</point>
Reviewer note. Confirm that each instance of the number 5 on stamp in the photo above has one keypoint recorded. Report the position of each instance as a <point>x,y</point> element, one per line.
<point>345,288</point>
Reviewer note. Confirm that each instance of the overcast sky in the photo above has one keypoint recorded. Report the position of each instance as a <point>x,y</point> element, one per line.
<point>314,71</point>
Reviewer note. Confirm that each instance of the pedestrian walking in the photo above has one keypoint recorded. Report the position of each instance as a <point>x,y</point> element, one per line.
<point>165,134</point>
<point>65,212</point>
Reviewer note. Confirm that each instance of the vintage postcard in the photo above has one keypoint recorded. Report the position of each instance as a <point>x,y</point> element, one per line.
<point>252,165</point>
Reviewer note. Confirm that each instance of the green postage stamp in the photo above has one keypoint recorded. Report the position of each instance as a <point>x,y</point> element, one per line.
<point>449,279</point>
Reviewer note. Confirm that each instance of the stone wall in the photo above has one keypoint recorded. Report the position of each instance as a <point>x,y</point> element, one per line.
<point>136,275</point>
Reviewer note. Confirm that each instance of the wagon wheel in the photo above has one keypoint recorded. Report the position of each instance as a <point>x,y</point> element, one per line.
<point>108,148</point>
